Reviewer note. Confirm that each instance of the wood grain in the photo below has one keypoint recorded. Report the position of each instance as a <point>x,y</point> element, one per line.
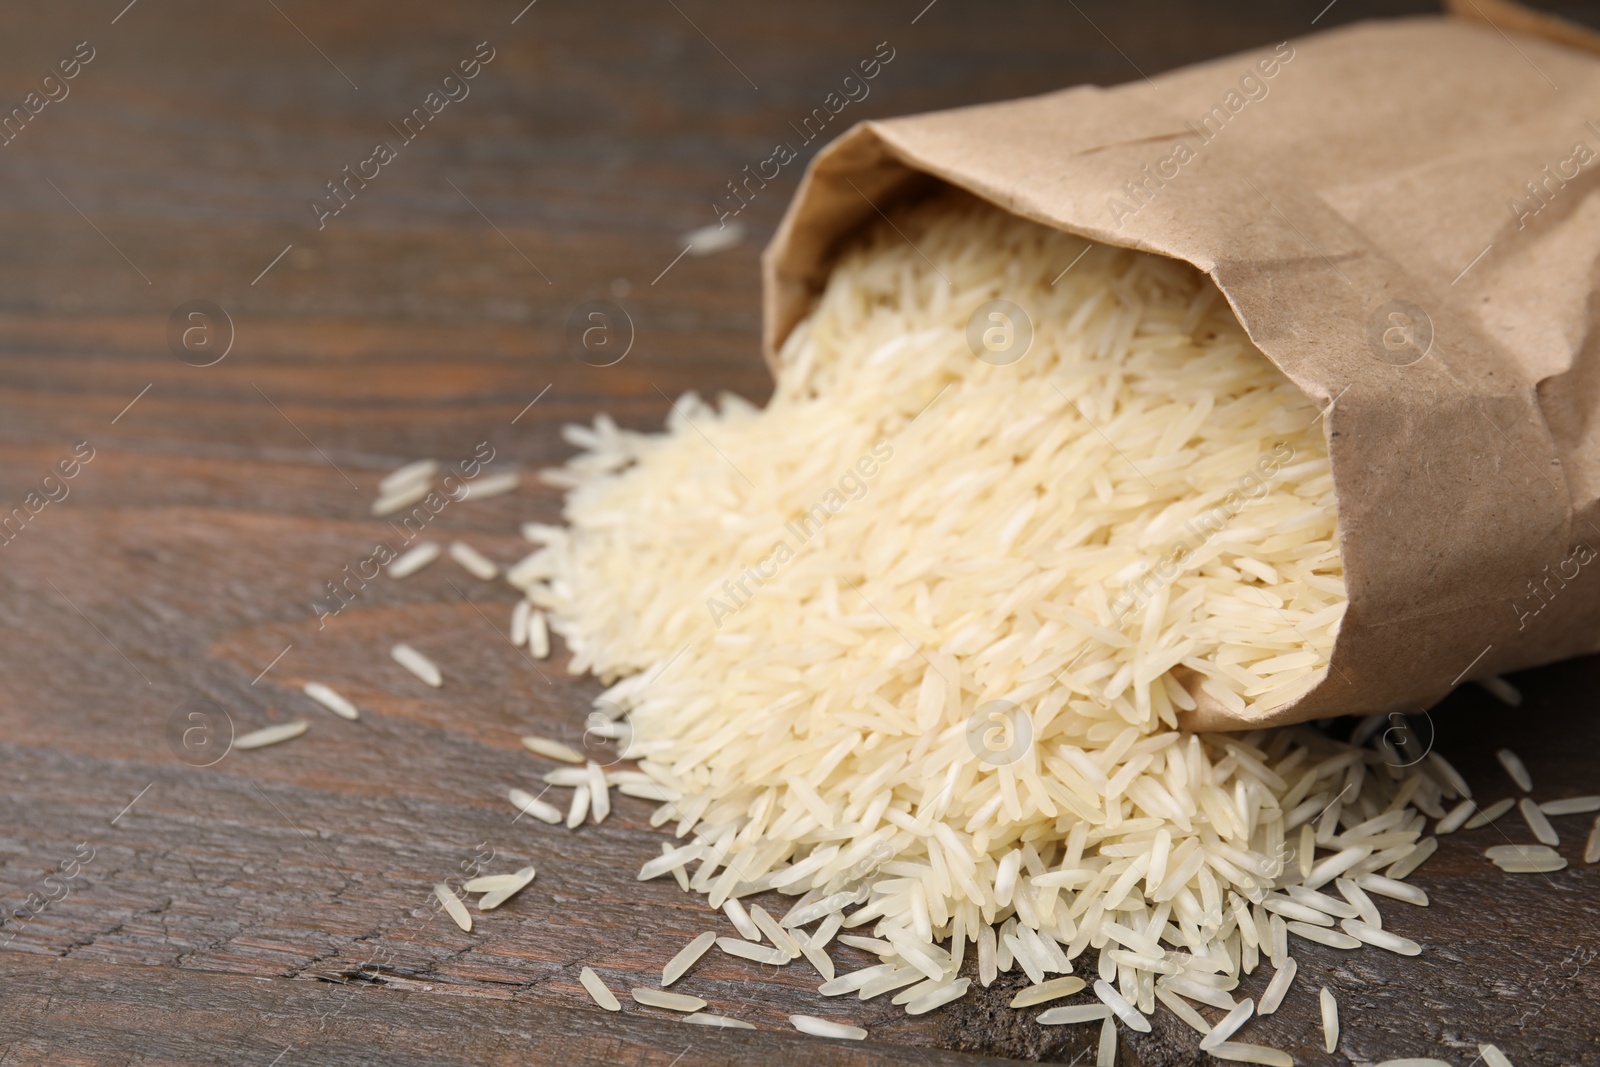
<point>233,905</point>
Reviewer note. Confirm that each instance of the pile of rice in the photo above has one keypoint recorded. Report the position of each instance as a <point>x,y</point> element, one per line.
<point>911,642</point>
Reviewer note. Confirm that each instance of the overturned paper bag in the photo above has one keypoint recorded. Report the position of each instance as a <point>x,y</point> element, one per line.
<point>1403,215</point>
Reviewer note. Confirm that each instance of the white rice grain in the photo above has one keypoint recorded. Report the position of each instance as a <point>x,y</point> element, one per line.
<point>1278,988</point>
<point>810,1024</point>
<point>579,809</point>
<point>659,998</point>
<point>1106,1051</point>
<point>1130,1015</point>
<point>1044,992</point>
<point>939,997</point>
<point>417,472</point>
<point>270,735</point>
<point>488,485</point>
<point>556,750</point>
<point>1238,1052</point>
<point>1330,1020</point>
<point>598,991</point>
<point>1491,813</point>
<point>687,957</point>
<point>703,1018</point>
<point>1571,806</point>
<point>473,562</point>
<point>1228,1026</point>
<point>1493,1056</point>
<point>332,700</point>
<point>496,897</point>
<point>1073,1013</point>
<point>413,560</point>
<point>1515,768</point>
<point>453,906</point>
<point>749,950</point>
<point>1374,935</point>
<point>538,635</point>
<point>1537,822</point>
<point>418,664</point>
<point>531,805</point>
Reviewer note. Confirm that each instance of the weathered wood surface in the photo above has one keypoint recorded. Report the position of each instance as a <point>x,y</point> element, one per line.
<point>217,910</point>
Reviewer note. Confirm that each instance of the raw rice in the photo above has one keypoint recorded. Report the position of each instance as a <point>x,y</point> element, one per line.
<point>488,883</point>
<point>810,1024</point>
<point>741,920</point>
<point>473,562</point>
<point>702,1018</point>
<point>1331,938</point>
<point>1374,935</point>
<point>1420,1061</point>
<point>400,499</point>
<point>538,635</point>
<point>1456,818</point>
<point>453,907</point>
<point>749,950</point>
<point>270,735</point>
<point>657,998</point>
<point>1130,1016</point>
<point>1277,987</point>
<point>416,472</point>
<point>1535,818</point>
<point>1515,768</point>
<point>1054,989</point>
<point>1493,1056</point>
<point>1571,806</point>
<point>939,997</point>
<point>1106,1052</point>
<point>687,957</point>
<point>417,664</point>
<point>1491,813</point>
<point>1228,1026</point>
<point>556,750</point>
<point>597,990</point>
<point>331,700</point>
<point>1073,1013</point>
<point>807,716</point>
<point>579,809</point>
<point>1330,1020</point>
<point>1242,1053</point>
<point>519,623</point>
<point>489,485</point>
<point>496,897</point>
<point>413,560</point>
<point>532,805</point>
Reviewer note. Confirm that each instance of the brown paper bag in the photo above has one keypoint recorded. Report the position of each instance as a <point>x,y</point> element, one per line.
<point>1403,216</point>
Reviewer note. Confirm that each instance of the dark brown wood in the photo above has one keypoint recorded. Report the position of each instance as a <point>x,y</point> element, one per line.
<point>229,905</point>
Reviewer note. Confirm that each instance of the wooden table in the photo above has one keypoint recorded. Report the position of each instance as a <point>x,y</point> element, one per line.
<point>272,907</point>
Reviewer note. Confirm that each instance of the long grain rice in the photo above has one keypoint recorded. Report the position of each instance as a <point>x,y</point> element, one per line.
<point>1493,1056</point>
<point>597,990</point>
<point>418,664</point>
<point>1106,1051</point>
<point>1571,806</point>
<point>1515,768</point>
<point>332,700</point>
<point>270,735</point>
<point>810,1024</point>
<point>1491,813</point>
<point>1537,822</point>
<point>658,998</point>
<point>473,562</point>
<point>453,906</point>
<point>413,560</point>
<point>703,1018</point>
<point>687,957</point>
<point>496,897</point>
<point>532,805</point>
<point>1228,1026</point>
<point>1239,1052</point>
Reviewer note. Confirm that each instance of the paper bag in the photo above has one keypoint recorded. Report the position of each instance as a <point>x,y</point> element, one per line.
<point>1403,215</point>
